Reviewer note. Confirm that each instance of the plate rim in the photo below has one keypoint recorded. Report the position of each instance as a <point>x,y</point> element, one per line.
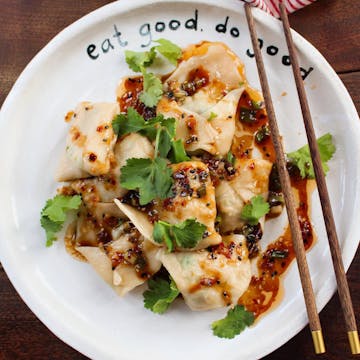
<point>66,334</point>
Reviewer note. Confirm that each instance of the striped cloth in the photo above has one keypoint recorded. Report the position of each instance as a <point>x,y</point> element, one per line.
<point>272,6</point>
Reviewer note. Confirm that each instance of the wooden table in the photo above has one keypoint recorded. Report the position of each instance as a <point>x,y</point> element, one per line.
<point>26,27</point>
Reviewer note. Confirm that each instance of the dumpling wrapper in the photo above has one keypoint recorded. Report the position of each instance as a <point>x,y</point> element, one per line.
<point>223,71</point>
<point>90,142</point>
<point>183,206</point>
<point>211,131</point>
<point>126,275</point>
<point>105,188</point>
<point>251,179</point>
<point>211,279</point>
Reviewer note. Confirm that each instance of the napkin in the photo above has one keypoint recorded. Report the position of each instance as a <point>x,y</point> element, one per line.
<point>272,6</point>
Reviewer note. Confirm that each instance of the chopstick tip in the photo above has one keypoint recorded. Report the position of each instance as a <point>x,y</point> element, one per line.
<point>318,341</point>
<point>354,342</point>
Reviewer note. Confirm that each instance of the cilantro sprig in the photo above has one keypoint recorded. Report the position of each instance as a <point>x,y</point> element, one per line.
<point>152,177</point>
<point>139,61</point>
<point>186,234</point>
<point>53,215</point>
<point>236,320</point>
<point>160,295</point>
<point>158,128</point>
<point>302,158</point>
<point>253,211</point>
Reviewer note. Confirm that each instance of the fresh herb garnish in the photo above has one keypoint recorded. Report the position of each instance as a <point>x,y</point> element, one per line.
<point>160,295</point>
<point>257,105</point>
<point>133,122</point>
<point>262,134</point>
<point>152,92</point>
<point>211,116</point>
<point>53,215</point>
<point>236,320</point>
<point>279,254</point>
<point>158,128</point>
<point>247,115</point>
<point>185,235</point>
<point>252,212</point>
<point>168,49</point>
<point>139,61</point>
<point>230,158</point>
<point>152,177</point>
<point>302,158</point>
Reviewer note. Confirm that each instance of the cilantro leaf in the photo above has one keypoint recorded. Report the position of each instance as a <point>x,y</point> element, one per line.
<point>162,143</point>
<point>55,209</point>
<point>186,234</point>
<point>166,145</point>
<point>161,234</point>
<point>151,177</point>
<point>137,61</point>
<point>302,158</point>
<point>51,228</point>
<point>212,116</point>
<point>236,320</point>
<point>160,295</point>
<point>177,153</point>
<point>53,215</point>
<point>133,122</point>
<point>168,49</point>
<point>152,91</point>
<point>230,158</point>
<point>253,211</point>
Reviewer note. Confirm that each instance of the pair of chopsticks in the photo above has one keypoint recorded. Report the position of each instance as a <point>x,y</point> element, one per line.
<point>343,287</point>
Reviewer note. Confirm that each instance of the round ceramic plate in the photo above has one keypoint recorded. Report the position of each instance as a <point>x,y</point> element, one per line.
<point>85,62</point>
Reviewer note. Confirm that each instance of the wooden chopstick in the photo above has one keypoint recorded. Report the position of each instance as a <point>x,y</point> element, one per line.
<point>297,239</point>
<point>343,287</point>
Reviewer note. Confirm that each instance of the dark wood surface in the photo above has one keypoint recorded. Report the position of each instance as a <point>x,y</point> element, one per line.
<point>27,25</point>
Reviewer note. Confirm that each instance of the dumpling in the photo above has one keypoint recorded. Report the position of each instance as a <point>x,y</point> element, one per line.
<point>251,179</point>
<point>90,141</point>
<point>194,196</point>
<point>106,187</point>
<point>203,94</point>
<point>125,262</point>
<point>214,278</point>
<point>208,72</point>
<point>212,131</point>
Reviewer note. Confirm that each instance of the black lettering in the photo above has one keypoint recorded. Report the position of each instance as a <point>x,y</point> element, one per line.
<point>118,36</point>
<point>90,49</point>
<point>286,60</point>
<point>192,23</point>
<point>272,50</point>
<point>250,54</point>
<point>221,28</point>
<point>145,31</point>
<point>160,26</point>
<point>106,46</point>
<point>305,73</point>
<point>174,24</point>
<point>235,32</point>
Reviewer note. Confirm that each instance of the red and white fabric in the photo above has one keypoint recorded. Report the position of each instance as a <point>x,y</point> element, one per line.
<point>272,6</point>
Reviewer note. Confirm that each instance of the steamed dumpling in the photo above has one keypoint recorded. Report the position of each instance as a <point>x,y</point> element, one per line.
<point>90,141</point>
<point>125,262</point>
<point>251,179</point>
<point>212,130</point>
<point>194,197</point>
<point>214,278</point>
<point>202,94</point>
<point>106,187</point>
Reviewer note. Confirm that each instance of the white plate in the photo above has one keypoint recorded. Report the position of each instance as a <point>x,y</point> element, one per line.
<point>66,295</point>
